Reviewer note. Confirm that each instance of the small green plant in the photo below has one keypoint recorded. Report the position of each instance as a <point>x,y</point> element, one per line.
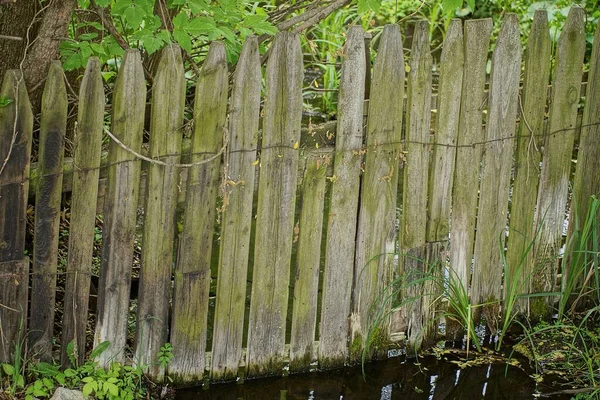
<point>5,101</point>
<point>165,355</point>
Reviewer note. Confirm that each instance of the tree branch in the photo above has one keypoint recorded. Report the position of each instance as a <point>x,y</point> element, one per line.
<point>108,23</point>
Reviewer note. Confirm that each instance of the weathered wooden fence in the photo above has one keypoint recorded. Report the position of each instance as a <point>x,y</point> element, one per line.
<point>317,247</point>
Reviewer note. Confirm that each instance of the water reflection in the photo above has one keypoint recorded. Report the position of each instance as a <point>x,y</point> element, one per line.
<point>385,380</point>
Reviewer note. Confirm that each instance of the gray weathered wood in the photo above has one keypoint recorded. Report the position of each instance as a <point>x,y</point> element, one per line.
<point>376,234</point>
<point>276,204</point>
<point>16,126</point>
<point>120,208</point>
<point>556,166</point>
<point>53,126</point>
<point>416,178</point>
<point>304,313</point>
<point>88,143</point>
<point>527,159</point>
<point>237,214</point>
<point>441,174</point>
<point>587,181</point>
<point>468,154</point>
<point>503,101</point>
<point>341,230</point>
<point>166,120</point>
<point>192,274</point>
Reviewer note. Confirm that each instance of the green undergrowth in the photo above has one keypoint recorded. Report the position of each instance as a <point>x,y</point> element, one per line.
<point>27,379</point>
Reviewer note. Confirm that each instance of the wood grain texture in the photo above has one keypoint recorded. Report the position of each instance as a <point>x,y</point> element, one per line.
<point>53,126</point>
<point>503,101</point>
<point>120,208</point>
<point>192,275</point>
<point>237,215</point>
<point>343,209</point>
<point>556,165</point>
<point>416,177</point>
<point>166,120</point>
<point>88,143</point>
<point>468,153</point>
<point>528,156</point>
<point>16,127</point>
<point>376,236</point>
<point>276,205</point>
<point>441,173</point>
<point>306,286</point>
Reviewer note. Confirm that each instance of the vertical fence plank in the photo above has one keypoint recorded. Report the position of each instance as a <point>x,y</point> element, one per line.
<point>237,215</point>
<point>441,177</point>
<point>120,208</point>
<point>341,231</point>
<point>304,313</point>
<point>192,276</point>
<point>557,153</point>
<point>468,153</point>
<point>53,126</point>
<point>587,183</point>
<point>529,142</point>
<point>16,126</point>
<point>416,178</point>
<point>377,217</point>
<point>276,204</point>
<point>166,120</point>
<point>492,215</point>
<point>86,160</point>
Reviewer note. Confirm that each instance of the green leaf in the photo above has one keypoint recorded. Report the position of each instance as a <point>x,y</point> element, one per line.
<point>88,36</point>
<point>8,369</point>
<point>184,40</point>
<point>88,388</point>
<point>152,44</point>
<point>200,25</point>
<point>134,16</point>
<point>450,6</point>
<point>368,5</point>
<point>102,3</point>
<point>111,388</point>
<point>97,48</point>
<point>101,348</point>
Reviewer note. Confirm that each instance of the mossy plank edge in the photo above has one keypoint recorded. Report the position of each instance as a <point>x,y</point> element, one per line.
<point>276,204</point>
<point>13,194</point>
<point>556,163</point>
<point>441,173</point>
<point>341,221</point>
<point>237,215</point>
<point>304,312</point>
<point>376,236</point>
<point>587,180</point>
<point>192,274</point>
<point>468,156</point>
<point>53,126</point>
<point>503,101</point>
<point>120,208</point>
<point>528,156</point>
<point>88,144</point>
<point>166,119</point>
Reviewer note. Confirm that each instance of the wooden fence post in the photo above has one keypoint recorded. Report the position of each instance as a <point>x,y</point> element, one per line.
<point>304,315</point>
<point>416,178</point>
<point>276,205</point>
<point>166,120</point>
<point>468,155</point>
<point>556,165</point>
<point>120,208</point>
<point>492,215</point>
<point>192,274</point>
<point>16,127</point>
<point>376,236</point>
<point>341,231</point>
<point>53,127</point>
<point>529,143</point>
<point>88,143</point>
<point>237,215</point>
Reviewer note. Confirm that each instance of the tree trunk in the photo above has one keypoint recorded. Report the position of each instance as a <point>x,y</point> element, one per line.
<point>15,18</point>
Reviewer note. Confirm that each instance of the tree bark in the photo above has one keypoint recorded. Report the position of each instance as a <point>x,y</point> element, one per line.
<point>15,18</point>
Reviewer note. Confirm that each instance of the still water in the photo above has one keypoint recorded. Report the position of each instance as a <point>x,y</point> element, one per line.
<point>389,379</point>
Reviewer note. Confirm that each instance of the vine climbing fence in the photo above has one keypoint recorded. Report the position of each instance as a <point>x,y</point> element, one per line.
<point>264,245</point>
